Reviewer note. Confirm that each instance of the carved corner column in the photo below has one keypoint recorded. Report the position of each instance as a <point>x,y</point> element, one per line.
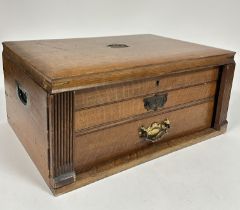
<point>61,139</point>
<point>226,79</point>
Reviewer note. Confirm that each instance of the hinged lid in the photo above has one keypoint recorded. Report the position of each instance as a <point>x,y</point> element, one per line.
<point>70,64</point>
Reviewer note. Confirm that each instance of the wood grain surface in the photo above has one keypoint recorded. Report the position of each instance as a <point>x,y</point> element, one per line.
<point>61,138</point>
<point>137,157</point>
<point>106,144</point>
<point>86,118</point>
<point>108,94</point>
<point>70,64</point>
<point>30,122</point>
<point>85,101</point>
<point>224,92</point>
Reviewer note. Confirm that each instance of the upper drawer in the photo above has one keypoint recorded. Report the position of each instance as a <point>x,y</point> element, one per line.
<point>108,113</point>
<point>102,95</point>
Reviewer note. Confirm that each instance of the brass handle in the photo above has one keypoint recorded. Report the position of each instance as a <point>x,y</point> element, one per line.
<point>155,131</point>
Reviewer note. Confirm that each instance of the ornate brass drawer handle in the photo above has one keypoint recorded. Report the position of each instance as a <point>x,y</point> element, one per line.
<point>155,131</point>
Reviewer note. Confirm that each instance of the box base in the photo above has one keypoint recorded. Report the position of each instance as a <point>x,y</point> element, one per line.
<point>150,153</point>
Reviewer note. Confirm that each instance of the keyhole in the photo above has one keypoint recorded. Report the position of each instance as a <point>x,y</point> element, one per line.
<point>157,83</point>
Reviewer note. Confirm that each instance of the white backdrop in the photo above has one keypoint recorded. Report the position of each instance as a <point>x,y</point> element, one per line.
<point>205,176</point>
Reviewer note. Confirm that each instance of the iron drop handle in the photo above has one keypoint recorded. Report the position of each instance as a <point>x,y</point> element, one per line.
<point>22,94</point>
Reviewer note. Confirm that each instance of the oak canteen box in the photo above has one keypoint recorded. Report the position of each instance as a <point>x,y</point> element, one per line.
<point>87,108</point>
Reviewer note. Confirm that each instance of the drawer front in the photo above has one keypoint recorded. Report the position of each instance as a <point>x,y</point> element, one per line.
<point>103,95</point>
<point>107,144</point>
<point>108,113</point>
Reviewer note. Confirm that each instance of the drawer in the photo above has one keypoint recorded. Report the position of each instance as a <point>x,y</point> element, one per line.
<point>87,118</point>
<point>106,144</point>
<point>102,95</point>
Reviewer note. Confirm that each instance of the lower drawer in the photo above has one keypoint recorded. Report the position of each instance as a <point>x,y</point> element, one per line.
<point>107,144</point>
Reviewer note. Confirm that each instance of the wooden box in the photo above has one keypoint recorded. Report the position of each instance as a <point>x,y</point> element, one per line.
<point>87,108</point>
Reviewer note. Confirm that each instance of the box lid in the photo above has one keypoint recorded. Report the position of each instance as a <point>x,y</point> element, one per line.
<point>79,63</point>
